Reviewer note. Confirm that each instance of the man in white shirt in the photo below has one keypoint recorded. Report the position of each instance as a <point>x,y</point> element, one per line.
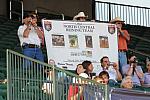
<point>112,69</point>
<point>30,36</point>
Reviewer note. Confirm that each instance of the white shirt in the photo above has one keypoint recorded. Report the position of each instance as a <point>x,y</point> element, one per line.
<point>31,39</point>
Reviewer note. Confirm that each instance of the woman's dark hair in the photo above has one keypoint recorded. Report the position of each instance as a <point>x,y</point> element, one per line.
<point>86,63</point>
<point>77,68</point>
<point>104,73</point>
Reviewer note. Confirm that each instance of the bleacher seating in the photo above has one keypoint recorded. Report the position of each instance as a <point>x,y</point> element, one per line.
<point>8,40</point>
<point>138,44</point>
<point>3,19</point>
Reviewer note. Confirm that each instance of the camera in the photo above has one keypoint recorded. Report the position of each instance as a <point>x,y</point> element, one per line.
<point>134,61</point>
<point>111,64</point>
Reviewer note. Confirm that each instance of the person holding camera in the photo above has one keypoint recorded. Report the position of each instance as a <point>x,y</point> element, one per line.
<point>134,70</point>
<point>30,36</point>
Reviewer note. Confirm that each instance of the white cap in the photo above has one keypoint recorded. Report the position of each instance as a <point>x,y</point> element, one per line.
<point>80,14</point>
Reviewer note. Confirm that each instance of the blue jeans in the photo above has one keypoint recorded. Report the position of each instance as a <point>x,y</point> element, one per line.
<point>34,53</point>
<point>122,60</point>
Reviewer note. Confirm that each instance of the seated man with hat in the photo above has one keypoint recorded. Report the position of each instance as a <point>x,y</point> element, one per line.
<point>80,17</point>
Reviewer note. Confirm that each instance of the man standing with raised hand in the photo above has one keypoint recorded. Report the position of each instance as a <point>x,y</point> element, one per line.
<point>123,38</point>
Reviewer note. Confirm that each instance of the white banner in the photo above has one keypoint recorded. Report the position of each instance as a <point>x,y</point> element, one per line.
<point>70,43</point>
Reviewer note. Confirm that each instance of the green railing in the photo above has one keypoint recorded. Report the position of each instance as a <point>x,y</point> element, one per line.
<point>29,79</point>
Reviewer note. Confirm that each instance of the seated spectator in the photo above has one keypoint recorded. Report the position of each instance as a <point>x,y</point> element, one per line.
<point>112,69</point>
<point>132,69</point>
<point>105,76</point>
<point>80,17</point>
<point>127,83</point>
<point>76,91</point>
<point>94,92</point>
<point>99,80</point>
<point>79,69</point>
<point>147,75</point>
<point>88,66</point>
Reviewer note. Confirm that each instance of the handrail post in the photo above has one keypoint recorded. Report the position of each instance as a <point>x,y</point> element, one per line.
<point>106,93</point>
<point>22,14</point>
<point>54,83</point>
<point>9,86</point>
<point>10,10</point>
<point>63,17</point>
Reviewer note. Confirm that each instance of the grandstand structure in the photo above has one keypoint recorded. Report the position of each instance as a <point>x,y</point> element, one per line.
<point>139,44</point>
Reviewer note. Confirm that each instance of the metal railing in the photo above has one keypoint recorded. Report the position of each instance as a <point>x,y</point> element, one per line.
<point>29,79</point>
<point>134,15</point>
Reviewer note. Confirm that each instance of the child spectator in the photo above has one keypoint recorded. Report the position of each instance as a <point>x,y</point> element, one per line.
<point>105,76</point>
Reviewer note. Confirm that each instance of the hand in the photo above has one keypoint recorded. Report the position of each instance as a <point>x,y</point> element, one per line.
<point>34,25</point>
<point>115,66</point>
<point>133,65</point>
<point>120,30</point>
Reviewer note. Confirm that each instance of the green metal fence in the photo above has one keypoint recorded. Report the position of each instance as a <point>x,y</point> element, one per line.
<point>29,79</point>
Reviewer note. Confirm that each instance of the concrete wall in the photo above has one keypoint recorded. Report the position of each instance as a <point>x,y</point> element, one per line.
<point>3,7</point>
<point>67,7</point>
